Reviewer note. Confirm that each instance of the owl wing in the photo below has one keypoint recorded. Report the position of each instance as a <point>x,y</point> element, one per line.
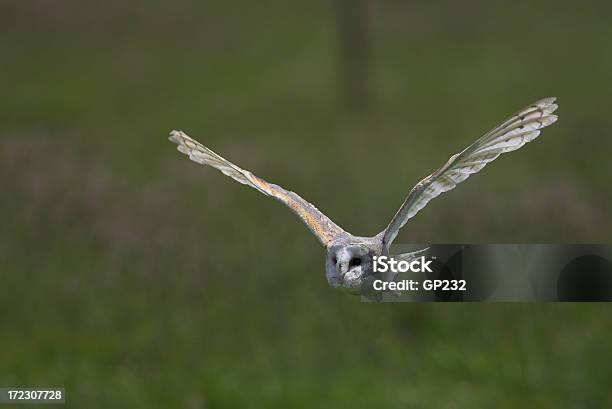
<point>513,133</point>
<point>320,225</point>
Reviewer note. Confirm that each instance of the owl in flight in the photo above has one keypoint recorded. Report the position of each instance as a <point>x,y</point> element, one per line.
<point>349,258</point>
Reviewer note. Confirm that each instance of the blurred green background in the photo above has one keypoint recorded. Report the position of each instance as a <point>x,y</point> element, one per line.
<point>135,278</point>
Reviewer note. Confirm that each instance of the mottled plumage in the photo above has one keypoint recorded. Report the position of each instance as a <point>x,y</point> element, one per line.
<point>349,258</point>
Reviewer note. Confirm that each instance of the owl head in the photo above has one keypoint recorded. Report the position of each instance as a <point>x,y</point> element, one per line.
<point>349,266</point>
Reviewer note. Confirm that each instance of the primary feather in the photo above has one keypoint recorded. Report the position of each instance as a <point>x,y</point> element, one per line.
<point>320,225</point>
<point>510,135</point>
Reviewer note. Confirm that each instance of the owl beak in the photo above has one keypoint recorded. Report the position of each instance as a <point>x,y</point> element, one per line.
<point>342,269</point>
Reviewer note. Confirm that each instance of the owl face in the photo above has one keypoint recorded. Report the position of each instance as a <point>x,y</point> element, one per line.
<point>349,266</point>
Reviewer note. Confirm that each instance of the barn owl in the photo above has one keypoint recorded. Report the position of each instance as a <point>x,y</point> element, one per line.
<point>349,259</point>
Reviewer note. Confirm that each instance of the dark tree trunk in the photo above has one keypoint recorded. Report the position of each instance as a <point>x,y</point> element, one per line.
<point>353,26</point>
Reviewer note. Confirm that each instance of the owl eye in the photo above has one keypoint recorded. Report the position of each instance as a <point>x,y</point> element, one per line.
<point>355,262</point>
<point>334,260</point>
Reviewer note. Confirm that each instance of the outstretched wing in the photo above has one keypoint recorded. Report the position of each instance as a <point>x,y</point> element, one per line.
<point>516,131</point>
<point>317,222</point>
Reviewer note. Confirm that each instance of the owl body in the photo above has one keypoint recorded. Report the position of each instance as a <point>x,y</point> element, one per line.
<point>349,259</point>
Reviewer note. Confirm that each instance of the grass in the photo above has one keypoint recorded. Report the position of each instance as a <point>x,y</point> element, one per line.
<point>136,279</point>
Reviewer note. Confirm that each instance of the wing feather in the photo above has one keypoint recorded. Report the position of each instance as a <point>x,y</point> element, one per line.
<point>322,227</point>
<point>510,135</point>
